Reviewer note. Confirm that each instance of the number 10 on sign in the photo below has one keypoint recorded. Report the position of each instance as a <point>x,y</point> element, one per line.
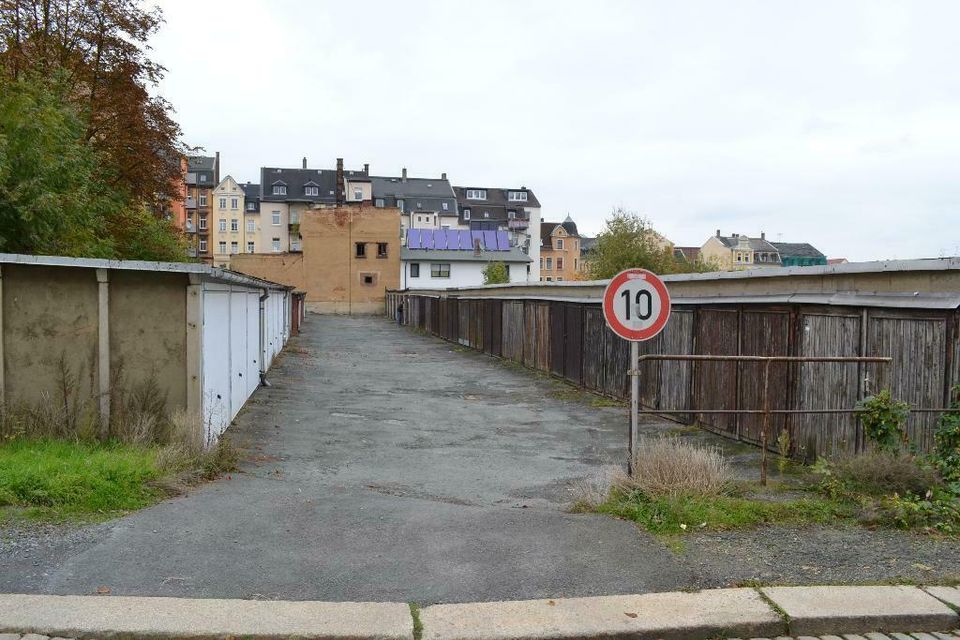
<point>636,306</point>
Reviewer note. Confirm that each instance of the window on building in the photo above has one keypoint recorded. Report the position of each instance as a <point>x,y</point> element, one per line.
<point>559,264</point>
<point>379,203</point>
<point>276,244</point>
<point>575,267</point>
<point>507,267</point>
<point>476,194</point>
<point>486,214</point>
<point>419,219</point>
<point>222,247</point>
<point>234,203</point>
<point>203,177</point>
<point>414,269</point>
<point>439,270</point>
<point>234,248</point>
<point>368,278</point>
<point>249,247</point>
<point>400,204</point>
<point>381,249</point>
<point>276,218</point>
<point>223,203</point>
<point>466,214</point>
<point>279,189</point>
<point>360,250</point>
<point>203,199</point>
<point>541,263</point>
<point>444,206</point>
<point>549,279</point>
<point>234,225</point>
<point>251,206</point>
<point>517,196</point>
<point>549,264</point>
<point>739,257</point>
<point>202,223</point>
<point>357,193</point>
<point>311,191</point>
<point>559,279</point>
<point>511,214</point>
<point>222,224</point>
<point>203,245</point>
<point>559,243</point>
<point>251,226</point>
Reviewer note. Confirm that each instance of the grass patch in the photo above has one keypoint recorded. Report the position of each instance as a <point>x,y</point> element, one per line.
<point>51,479</point>
<point>417,623</point>
<point>679,514</point>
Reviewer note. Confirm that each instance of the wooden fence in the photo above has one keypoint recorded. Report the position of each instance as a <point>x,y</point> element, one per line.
<point>570,339</point>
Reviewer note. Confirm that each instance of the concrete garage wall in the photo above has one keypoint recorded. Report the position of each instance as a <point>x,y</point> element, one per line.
<point>49,316</point>
<point>86,341</point>
<point>148,341</point>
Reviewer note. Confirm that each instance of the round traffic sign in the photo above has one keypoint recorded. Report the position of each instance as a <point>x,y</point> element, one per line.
<point>636,305</point>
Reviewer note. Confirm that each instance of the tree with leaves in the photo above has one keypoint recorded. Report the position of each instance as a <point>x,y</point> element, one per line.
<point>56,197</point>
<point>99,49</point>
<point>496,273</point>
<point>627,241</point>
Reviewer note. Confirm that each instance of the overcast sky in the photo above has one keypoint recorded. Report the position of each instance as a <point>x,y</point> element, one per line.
<point>835,123</point>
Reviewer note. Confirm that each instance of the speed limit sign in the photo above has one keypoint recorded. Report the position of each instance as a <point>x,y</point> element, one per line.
<point>636,305</point>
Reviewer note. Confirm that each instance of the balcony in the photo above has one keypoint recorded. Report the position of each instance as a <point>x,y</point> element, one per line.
<point>517,224</point>
<point>296,246</point>
<point>190,203</point>
<point>189,227</point>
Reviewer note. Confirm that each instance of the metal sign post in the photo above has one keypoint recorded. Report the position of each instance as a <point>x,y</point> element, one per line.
<point>636,306</point>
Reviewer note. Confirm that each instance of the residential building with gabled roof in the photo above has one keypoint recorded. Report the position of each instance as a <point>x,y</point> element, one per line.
<point>424,203</point>
<point>227,221</point>
<point>285,194</point>
<point>515,210</point>
<point>201,177</point>
<point>559,251</point>
<point>736,252</point>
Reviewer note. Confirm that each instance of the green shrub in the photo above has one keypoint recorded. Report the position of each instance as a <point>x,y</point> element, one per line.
<point>883,420</point>
<point>946,452</point>
<point>937,510</point>
<point>876,473</point>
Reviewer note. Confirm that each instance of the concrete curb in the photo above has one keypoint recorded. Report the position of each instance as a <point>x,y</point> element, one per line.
<point>817,611</point>
<point>165,618</point>
<point>746,613</point>
<point>670,616</point>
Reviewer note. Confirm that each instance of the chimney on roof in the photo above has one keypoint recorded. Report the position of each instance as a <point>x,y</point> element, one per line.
<point>718,233</point>
<point>216,168</point>
<point>341,187</point>
<point>476,247</point>
<point>443,176</point>
<point>403,175</point>
<point>763,236</point>
<point>304,162</point>
<point>366,168</point>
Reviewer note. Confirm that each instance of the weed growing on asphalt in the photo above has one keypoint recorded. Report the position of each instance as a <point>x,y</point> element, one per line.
<point>417,623</point>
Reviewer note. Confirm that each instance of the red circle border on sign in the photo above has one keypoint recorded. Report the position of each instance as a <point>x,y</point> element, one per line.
<point>638,335</point>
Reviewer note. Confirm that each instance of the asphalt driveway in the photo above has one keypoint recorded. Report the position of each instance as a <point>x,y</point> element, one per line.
<point>385,465</point>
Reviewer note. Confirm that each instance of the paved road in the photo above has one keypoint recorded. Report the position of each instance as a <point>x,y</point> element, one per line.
<point>388,466</point>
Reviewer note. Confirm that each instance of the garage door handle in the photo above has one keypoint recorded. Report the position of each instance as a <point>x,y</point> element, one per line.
<point>240,374</point>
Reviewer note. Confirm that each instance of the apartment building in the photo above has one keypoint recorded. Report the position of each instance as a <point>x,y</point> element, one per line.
<point>286,194</point>
<point>424,203</point>
<point>559,251</point>
<point>227,237</point>
<point>202,177</point>
<point>737,252</point>
<point>515,210</point>
<point>251,218</point>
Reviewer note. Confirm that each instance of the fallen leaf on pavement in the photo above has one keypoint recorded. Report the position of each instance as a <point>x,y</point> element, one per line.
<point>629,614</point>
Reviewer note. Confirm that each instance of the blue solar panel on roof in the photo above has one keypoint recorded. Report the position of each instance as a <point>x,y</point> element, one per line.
<point>490,240</point>
<point>413,239</point>
<point>439,239</point>
<point>427,238</point>
<point>453,238</point>
<point>503,242</point>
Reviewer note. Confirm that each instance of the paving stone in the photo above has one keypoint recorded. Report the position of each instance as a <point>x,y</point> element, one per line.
<point>923,636</point>
<point>821,610</point>
<point>876,636</point>
<point>830,638</point>
<point>670,616</point>
<point>950,595</point>
<point>901,636</point>
<point>9,636</point>
<point>945,636</point>
<point>117,616</point>
<point>34,636</point>
<point>807,638</point>
<point>851,636</point>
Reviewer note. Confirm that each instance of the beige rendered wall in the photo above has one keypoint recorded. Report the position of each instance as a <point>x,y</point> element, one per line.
<point>148,313</point>
<point>49,314</point>
<point>228,190</point>
<point>570,255</point>
<point>335,276</point>
<point>715,251</point>
<point>285,268</point>
<point>269,231</point>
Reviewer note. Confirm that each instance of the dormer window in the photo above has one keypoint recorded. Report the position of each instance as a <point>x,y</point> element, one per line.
<point>311,191</point>
<point>476,194</point>
<point>517,196</point>
<point>466,214</point>
<point>279,189</point>
<point>444,205</point>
